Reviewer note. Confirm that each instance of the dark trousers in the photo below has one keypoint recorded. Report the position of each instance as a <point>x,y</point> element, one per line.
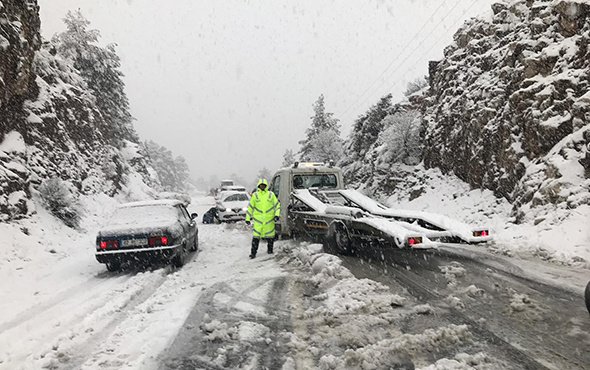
<point>256,242</point>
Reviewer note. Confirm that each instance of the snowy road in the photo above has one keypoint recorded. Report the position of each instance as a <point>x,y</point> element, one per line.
<point>456,308</point>
<point>529,323</point>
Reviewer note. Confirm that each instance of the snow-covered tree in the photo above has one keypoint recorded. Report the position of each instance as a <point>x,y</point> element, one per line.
<point>173,173</point>
<point>367,127</point>
<point>402,137</point>
<point>100,69</point>
<point>415,85</point>
<point>288,158</point>
<point>326,146</point>
<point>321,122</point>
<point>58,199</point>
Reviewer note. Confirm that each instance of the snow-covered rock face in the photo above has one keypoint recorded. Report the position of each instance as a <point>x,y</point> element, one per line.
<point>50,124</point>
<point>19,39</point>
<point>509,108</point>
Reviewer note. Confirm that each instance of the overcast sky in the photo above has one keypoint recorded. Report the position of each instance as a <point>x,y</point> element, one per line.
<point>230,84</point>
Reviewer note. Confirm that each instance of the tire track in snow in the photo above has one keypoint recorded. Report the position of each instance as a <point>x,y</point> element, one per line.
<point>412,270</point>
<point>193,349</point>
<point>77,354</point>
<point>58,299</point>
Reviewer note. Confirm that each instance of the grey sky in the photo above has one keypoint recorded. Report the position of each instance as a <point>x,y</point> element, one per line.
<point>229,85</point>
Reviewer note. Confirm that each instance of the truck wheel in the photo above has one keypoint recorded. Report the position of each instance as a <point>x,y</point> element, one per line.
<point>341,239</point>
<point>588,296</point>
<point>113,266</point>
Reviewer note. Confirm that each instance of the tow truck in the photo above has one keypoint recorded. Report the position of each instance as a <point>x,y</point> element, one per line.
<point>315,203</point>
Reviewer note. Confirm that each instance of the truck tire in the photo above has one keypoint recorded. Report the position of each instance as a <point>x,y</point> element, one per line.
<point>587,294</point>
<point>341,240</point>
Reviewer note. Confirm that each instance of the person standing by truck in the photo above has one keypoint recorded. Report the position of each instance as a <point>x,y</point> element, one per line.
<point>264,209</point>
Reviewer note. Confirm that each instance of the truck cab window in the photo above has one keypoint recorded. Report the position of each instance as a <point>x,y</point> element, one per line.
<point>315,181</point>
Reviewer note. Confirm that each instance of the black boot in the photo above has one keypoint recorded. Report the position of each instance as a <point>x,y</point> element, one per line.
<point>254,249</point>
<point>269,245</point>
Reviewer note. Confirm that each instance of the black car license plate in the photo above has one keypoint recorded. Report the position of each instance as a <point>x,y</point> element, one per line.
<point>133,242</point>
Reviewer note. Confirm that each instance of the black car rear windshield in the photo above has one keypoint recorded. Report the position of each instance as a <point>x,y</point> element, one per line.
<point>139,214</point>
<point>315,181</point>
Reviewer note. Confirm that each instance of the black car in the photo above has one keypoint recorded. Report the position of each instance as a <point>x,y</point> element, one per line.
<point>158,230</point>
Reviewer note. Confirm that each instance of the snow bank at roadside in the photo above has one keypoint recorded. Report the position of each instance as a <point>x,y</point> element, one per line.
<point>356,323</point>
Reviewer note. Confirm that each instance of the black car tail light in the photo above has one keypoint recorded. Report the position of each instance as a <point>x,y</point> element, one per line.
<point>158,240</point>
<point>109,244</point>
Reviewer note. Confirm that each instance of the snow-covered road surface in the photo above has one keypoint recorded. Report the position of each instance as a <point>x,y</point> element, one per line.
<point>529,322</point>
<point>300,308</point>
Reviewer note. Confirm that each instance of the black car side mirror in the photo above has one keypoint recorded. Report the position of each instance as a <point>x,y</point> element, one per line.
<point>194,215</point>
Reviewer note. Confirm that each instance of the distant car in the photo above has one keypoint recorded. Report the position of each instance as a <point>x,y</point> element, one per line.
<point>224,189</point>
<point>157,230</point>
<point>232,206</point>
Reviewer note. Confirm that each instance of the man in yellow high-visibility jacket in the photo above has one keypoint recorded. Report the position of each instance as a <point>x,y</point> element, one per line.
<point>264,209</point>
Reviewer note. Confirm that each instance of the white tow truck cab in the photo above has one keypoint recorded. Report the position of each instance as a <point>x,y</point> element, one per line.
<point>305,175</point>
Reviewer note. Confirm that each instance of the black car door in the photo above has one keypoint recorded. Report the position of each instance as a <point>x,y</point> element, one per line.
<point>190,224</point>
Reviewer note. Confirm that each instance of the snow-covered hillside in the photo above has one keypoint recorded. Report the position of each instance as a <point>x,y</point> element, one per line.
<point>509,105</point>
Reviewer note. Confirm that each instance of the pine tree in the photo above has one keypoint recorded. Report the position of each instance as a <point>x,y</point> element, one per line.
<point>367,127</point>
<point>326,147</point>
<point>100,69</point>
<point>321,122</point>
<point>173,173</point>
<point>415,85</point>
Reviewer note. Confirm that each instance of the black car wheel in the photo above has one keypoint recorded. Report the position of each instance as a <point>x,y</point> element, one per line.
<point>195,244</point>
<point>588,296</point>
<point>178,260</point>
<point>113,266</point>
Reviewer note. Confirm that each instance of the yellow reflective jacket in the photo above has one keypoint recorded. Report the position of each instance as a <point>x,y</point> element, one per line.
<point>262,210</point>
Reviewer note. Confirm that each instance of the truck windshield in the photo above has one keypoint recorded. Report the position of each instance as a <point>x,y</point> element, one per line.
<point>315,181</point>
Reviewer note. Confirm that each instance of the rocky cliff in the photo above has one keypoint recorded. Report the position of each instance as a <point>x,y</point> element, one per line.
<point>50,125</point>
<point>19,41</point>
<point>509,105</point>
